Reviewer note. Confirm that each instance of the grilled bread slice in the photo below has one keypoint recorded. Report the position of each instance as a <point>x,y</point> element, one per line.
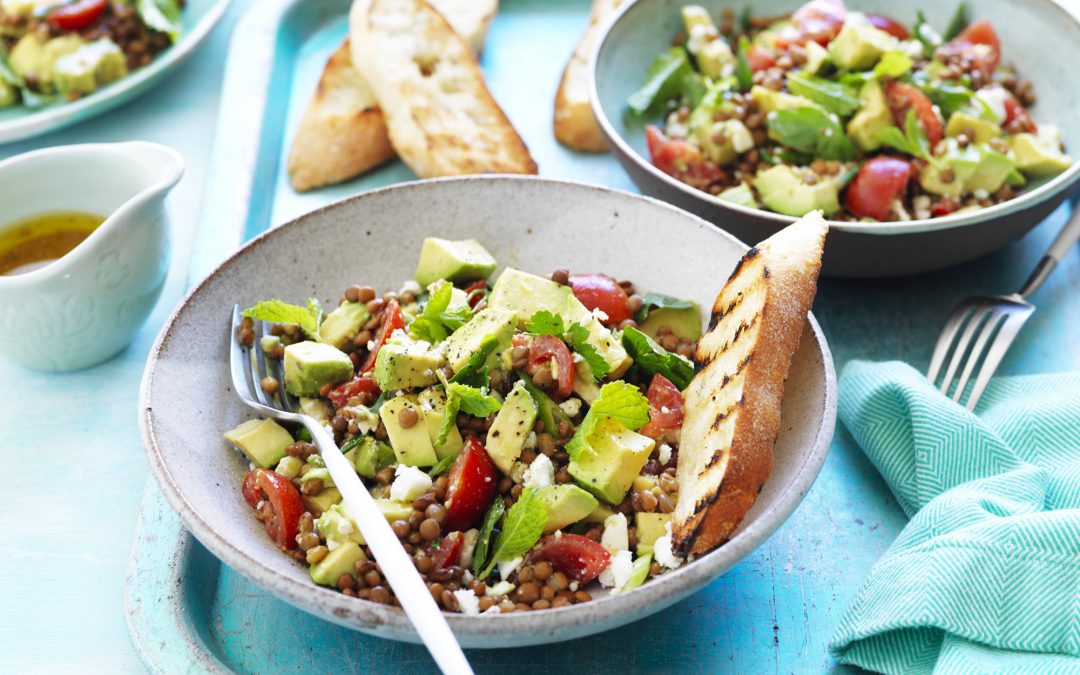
<point>441,117</point>
<point>342,133</point>
<point>575,124</point>
<point>733,402</point>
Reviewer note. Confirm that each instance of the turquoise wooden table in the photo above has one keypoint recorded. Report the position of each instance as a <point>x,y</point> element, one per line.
<point>75,470</point>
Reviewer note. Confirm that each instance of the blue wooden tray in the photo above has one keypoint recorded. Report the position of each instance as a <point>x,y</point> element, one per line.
<point>774,612</point>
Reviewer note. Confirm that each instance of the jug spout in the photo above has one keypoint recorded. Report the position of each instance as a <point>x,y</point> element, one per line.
<point>161,166</point>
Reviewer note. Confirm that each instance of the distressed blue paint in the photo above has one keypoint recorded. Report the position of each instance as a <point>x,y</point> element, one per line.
<point>65,546</point>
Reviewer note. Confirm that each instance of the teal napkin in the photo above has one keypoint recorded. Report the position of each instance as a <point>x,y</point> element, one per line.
<point>985,578</point>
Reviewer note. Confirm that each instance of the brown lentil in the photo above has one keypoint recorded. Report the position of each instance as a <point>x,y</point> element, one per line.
<point>380,595</point>
<point>313,486</point>
<point>561,276</point>
<point>315,554</point>
<point>407,417</point>
<point>430,529</point>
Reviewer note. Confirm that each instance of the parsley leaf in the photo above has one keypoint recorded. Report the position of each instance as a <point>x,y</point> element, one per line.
<point>545,323</point>
<point>474,401</point>
<point>654,359</point>
<point>437,320</point>
<point>893,64</point>
<point>276,311</point>
<point>812,131</point>
<point>664,81</point>
<point>912,140</point>
<point>578,337</point>
<point>743,73</point>
<point>653,301</point>
<point>836,97</point>
<point>521,530</point>
<point>483,542</point>
<point>619,400</point>
<point>473,372</point>
<point>926,34</point>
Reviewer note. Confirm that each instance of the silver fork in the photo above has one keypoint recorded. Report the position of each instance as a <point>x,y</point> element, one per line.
<point>249,365</point>
<point>982,328</point>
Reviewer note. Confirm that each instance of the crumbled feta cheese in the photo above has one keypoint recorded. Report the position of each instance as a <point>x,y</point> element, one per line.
<point>494,609</point>
<point>251,466</point>
<point>467,601</point>
<point>980,194</point>
<point>700,35</point>
<point>517,472</point>
<point>618,571</point>
<point>467,577</point>
<point>366,421</point>
<point>994,97</point>
<point>507,567</point>
<point>897,207</point>
<point>428,372</point>
<point>370,345</point>
<point>499,589</point>
<point>574,586</point>
<point>331,544</point>
<point>409,483</point>
<point>530,441</point>
<point>741,138</point>
<point>410,286</point>
<point>1050,135</point>
<point>541,473</point>
<point>558,534</point>
<point>662,550</point>
<point>664,454</point>
<point>571,406</point>
<point>468,547</point>
<point>345,527</point>
<point>600,314</point>
<point>616,535</point>
<point>912,48</point>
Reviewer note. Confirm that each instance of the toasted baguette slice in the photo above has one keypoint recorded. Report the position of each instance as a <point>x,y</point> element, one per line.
<point>733,402</point>
<point>575,124</point>
<point>342,133</point>
<point>442,119</point>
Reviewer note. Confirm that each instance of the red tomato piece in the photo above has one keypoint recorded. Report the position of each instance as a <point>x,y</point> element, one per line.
<point>77,15</point>
<point>599,291</point>
<point>449,551</point>
<point>681,160</point>
<point>471,486</point>
<point>890,26</point>
<point>578,557</point>
<point>544,348</point>
<point>759,58</point>
<point>478,285</point>
<point>819,20</point>
<point>666,407</point>
<point>902,97</point>
<point>944,207</point>
<point>1017,119</point>
<point>360,384</point>
<point>392,321</point>
<point>878,183</point>
<point>284,522</point>
<point>979,32</point>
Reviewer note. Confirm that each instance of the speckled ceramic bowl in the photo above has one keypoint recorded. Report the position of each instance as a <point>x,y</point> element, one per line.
<point>374,239</point>
<point>645,28</point>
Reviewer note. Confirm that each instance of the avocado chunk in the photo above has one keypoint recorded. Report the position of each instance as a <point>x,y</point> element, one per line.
<point>90,66</point>
<point>684,322</point>
<point>977,130</point>
<point>615,455</point>
<point>336,525</point>
<point>315,407</point>
<point>598,515</point>
<point>341,325</point>
<point>722,141</point>
<point>872,116</point>
<point>512,425</point>
<point>26,58</point>
<point>566,504</point>
<point>342,560</point>
<point>991,172</point>
<point>816,58</point>
<point>1037,156</point>
<point>769,100</point>
<point>289,466</point>
<point>411,445</point>
<point>710,50</point>
<point>548,410</point>
<point>322,500</point>
<point>859,45</point>
<point>371,456</point>
<point>407,363</point>
<point>650,527</point>
<point>433,407</point>
<point>491,323</point>
<point>310,365</point>
<point>320,473</point>
<point>741,194</point>
<point>263,442</point>
<point>456,261</point>
<point>394,510</point>
<point>782,190</point>
<point>974,167</point>
<point>8,94</point>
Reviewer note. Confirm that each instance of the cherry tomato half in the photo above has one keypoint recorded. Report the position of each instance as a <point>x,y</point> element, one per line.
<point>878,183</point>
<point>284,522</point>
<point>890,26</point>
<point>902,97</point>
<point>77,15</point>
<point>681,160</point>
<point>1017,119</point>
<point>979,32</point>
<point>361,384</point>
<point>392,321</point>
<point>599,291</point>
<point>759,58</point>
<point>944,207</point>
<point>666,408</point>
<point>544,348</point>
<point>819,20</point>
<point>474,297</point>
<point>578,557</point>
<point>449,551</point>
<point>252,494</point>
<point>471,486</point>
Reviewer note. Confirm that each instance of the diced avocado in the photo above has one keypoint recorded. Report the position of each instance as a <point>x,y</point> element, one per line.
<point>710,50</point>
<point>310,365</point>
<point>873,116</point>
<point>406,363</point>
<point>643,483</point>
<point>977,130</point>
<point>90,66</point>
<point>371,455</point>
<point>492,322</point>
<point>526,294</point>
<point>859,46</point>
<point>685,323</point>
<point>433,408</point>
<point>322,500</point>
<point>615,455</point>
<point>336,525</point>
<point>782,190</point>
<point>816,58</point>
<point>650,527</point>
<point>769,100</point>
<point>27,57</point>
<point>394,510</point>
<point>992,171</point>
<point>8,94</point>
<point>455,261</point>
<point>548,410</point>
<point>741,194</point>
<point>263,442</point>
<point>722,141</point>
<point>598,515</point>
<point>585,384</point>
<point>320,473</point>
<point>412,445</point>
<point>512,425</point>
<point>341,325</point>
<point>289,466</point>
<point>566,504</point>
<point>269,343</point>
<point>315,407</point>
<point>342,560</point>
<point>22,9</point>
<point>1036,156</point>
<point>53,51</point>
<point>974,167</point>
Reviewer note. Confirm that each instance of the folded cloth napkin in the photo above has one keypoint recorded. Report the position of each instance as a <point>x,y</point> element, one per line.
<point>985,577</point>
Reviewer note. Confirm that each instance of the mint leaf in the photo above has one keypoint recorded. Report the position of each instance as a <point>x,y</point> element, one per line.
<point>926,34</point>
<point>664,81</point>
<point>545,323</point>
<point>653,301</point>
<point>442,466</point>
<point>276,311</point>
<point>893,64</point>
<point>743,74</point>
<point>654,359</point>
<point>946,95</point>
<point>463,398</point>
<point>912,140</point>
<point>812,131</point>
<point>836,97</point>
<point>619,400</point>
<point>437,320</point>
<point>521,530</point>
<point>958,23</point>
<point>161,15</point>
<point>473,373</point>
<point>578,337</point>
<point>483,542</point>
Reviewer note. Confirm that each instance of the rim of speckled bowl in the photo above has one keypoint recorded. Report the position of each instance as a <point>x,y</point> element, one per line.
<point>354,612</point>
<point>1046,191</point>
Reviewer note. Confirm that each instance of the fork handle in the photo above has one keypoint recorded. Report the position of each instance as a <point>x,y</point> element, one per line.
<point>1064,241</point>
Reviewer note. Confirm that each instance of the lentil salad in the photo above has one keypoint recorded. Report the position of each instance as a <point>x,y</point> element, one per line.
<point>854,114</point>
<point>520,437</point>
